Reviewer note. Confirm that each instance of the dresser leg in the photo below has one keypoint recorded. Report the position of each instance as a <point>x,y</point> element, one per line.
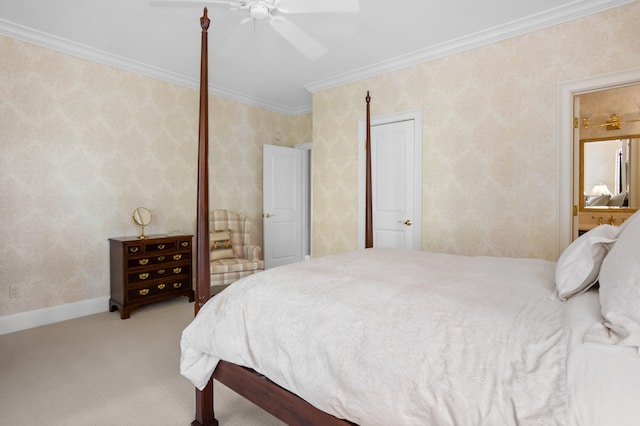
<point>115,306</point>
<point>125,313</point>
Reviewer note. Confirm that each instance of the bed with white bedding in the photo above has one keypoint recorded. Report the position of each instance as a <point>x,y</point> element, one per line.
<point>383,337</point>
<point>602,380</point>
<point>414,338</point>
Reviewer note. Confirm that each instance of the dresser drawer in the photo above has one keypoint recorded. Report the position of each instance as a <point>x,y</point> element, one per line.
<point>184,244</point>
<point>157,288</point>
<point>159,273</point>
<point>160,246</point>
<point>149,261</point>
<point>134,249</point>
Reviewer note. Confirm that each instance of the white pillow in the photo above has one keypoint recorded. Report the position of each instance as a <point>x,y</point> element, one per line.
<point>620,291</point>
<point>617,200</point>
<point>599,200</point>
<point>579,265</point>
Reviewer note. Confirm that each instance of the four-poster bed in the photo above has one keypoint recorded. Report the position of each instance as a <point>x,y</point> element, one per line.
<point>447,339</point>
<point>256,388</point>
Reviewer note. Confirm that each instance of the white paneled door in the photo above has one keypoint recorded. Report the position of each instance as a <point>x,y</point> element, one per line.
<point>392,183</point>
<point>282,205</point>
<point>396,165</point>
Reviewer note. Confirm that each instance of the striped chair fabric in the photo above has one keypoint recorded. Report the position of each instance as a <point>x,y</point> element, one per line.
<point>247,260</point>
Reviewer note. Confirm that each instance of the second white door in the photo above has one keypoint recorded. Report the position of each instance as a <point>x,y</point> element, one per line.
<point>282,205</point>
<point>392,183</point>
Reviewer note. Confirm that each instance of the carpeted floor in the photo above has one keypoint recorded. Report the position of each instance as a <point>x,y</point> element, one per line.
<point>101,370</point>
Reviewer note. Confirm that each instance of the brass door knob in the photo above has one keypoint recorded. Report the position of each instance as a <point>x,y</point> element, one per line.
<point>407,222</point>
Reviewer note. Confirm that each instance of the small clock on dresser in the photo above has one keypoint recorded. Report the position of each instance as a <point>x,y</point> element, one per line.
<point>149,270</point>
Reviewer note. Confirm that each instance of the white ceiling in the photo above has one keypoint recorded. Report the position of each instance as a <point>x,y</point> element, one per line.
<point>254,64</point>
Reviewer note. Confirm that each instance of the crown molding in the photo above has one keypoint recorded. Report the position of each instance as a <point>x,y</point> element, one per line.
<point>574,10</point>
<point>59,44</point>
<point>69,47</point>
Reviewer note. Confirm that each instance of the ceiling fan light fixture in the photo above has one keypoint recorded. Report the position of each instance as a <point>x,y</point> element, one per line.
<point>259,11</point>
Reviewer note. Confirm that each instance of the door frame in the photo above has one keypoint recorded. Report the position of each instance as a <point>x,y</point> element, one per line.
<point>567,145</point>
<point>416,116</point>
<point>307,198</point>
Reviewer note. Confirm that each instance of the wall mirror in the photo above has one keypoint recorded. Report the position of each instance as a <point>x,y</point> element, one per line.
<point>609,174</point>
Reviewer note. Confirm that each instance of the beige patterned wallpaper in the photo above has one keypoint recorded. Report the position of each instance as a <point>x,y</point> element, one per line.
<point>83,145</point>
<point>489,137</point>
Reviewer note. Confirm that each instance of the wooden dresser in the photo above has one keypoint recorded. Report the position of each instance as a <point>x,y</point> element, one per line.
<point>149,270</point>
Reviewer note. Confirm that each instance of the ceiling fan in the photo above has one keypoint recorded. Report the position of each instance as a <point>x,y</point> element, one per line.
<point>272,11</point>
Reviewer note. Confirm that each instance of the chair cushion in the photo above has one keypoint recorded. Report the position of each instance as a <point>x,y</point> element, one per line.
<point>230,277</point>
<point>222,266</point>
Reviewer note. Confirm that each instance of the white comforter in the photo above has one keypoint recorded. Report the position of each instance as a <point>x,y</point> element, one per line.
<point>388,337</point>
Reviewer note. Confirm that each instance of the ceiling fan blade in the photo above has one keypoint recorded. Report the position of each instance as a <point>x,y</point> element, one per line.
<point>302,41</point>
<point>316,6</point>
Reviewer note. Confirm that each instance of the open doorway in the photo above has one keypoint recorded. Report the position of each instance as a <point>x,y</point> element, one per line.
<point>569,141</point>
<point>608,184</point>
<point>286,204</point>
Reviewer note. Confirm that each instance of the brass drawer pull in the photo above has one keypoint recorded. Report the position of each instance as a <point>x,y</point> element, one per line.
<point>144,292</point>
<point>160,258</point>
<point>161,271</point>
<point>185,244</point>
<point>177,285</point>
<point>177,270</point>
<point>177,256</point>
<point>133,249</point>
<point>160,246</point>
<point>143,261</point>
<point>161,286</point>
<point>143,276</point>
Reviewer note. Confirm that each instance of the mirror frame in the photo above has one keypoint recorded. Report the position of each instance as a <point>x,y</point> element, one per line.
<point>138,213</point>
<point>606,209</point>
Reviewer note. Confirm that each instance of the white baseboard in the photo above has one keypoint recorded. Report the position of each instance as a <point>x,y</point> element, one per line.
<point>30,319</point>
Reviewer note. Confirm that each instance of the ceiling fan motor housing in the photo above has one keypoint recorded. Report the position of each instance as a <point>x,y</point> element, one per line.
<point>259,11</point>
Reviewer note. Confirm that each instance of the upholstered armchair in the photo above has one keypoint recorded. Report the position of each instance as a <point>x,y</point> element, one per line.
<point>232,255</point>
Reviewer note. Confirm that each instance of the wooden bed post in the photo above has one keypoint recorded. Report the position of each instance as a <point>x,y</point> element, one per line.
<point>204,399</point>
<point>278,401</point>
<point>369,211</point>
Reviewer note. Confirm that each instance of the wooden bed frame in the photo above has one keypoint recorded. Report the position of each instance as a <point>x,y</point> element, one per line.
<point>253,386</point>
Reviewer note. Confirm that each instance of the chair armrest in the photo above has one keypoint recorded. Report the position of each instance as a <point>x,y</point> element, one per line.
<point>251,252</point>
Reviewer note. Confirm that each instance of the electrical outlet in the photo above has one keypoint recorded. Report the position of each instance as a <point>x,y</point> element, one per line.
<point>14,292</point>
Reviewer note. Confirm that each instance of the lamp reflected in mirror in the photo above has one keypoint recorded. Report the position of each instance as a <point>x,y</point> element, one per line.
<point>600,189</point>
<point>609,173</point>
<point>598,196</point>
